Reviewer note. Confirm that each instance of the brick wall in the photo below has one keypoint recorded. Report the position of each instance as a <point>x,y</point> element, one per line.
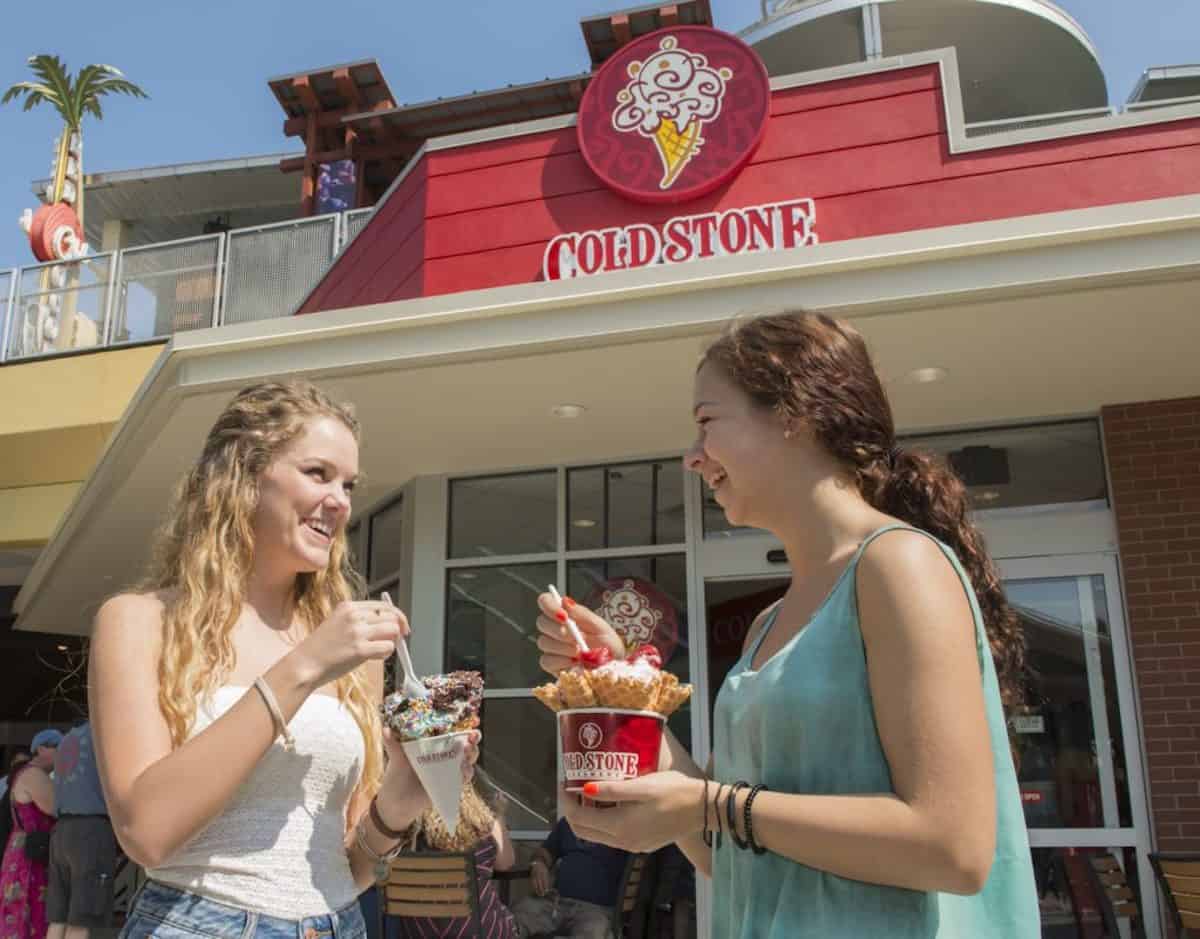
<point>1154,458</point>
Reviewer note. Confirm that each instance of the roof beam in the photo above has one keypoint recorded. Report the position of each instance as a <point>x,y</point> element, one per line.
<point>308,98</point>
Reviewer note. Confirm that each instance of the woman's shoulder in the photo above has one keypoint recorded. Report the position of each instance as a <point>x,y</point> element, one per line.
<point>30,778</point>
<point>134,608</point>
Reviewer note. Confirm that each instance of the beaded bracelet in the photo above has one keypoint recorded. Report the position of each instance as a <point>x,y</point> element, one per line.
<point>731,810</point>
<point>754,845</point>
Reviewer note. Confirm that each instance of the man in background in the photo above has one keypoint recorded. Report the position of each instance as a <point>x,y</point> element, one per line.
<point>83,848</point>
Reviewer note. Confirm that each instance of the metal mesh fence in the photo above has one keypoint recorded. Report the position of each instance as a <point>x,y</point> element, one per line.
<point>269,270</point>
<point>354,222</point>
<point>166,289</point>
<point>59,307</point>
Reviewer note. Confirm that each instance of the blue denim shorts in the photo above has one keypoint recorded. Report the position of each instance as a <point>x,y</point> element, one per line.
<point>164,912</point>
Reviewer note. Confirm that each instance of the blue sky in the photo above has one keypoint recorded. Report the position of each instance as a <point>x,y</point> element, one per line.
<point>205,66</point>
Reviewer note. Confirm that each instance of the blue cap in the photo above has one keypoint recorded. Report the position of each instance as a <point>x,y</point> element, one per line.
<point>45,738</point>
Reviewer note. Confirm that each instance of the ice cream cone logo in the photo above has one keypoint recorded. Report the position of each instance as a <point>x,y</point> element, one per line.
<point>590,736</point>
<point>670,96</point>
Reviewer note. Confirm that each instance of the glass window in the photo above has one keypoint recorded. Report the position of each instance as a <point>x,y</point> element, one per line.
<point>518,752</point>
<point>625,506</point>
<point>354,548</point>
<point>1068,742</point>
<point>387,540</point>
<point>504,515</point>
<point>490,622</point>
<point>1043,464</point>
<point>646,599</point>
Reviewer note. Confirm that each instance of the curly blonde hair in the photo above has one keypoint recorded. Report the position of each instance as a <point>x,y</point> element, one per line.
<point>204,552</point>
<point>475,820</point>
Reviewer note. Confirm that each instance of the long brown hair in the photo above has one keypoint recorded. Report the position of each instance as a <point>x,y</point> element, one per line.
<point>204,552</point>
<point>817,371</point>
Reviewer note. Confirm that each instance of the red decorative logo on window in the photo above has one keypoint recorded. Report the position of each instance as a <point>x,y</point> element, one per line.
<point>674,114</point>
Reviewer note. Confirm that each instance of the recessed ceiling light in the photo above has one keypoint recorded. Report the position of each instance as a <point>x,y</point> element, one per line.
<point>61,647</point>
<point>987,495</point>
<point>584,523</point>
<point>924,376</point>
<point>467,575</point>
<point>568,411</point>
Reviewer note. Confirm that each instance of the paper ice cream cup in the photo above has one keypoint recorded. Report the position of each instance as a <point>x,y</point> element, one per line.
<point>438,764</point>
<point>607,745</point>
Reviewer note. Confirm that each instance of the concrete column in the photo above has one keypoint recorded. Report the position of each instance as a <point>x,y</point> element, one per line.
<point>115,235</point>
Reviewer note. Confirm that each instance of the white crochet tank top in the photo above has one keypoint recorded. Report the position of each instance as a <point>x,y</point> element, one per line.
<point>278,848</point>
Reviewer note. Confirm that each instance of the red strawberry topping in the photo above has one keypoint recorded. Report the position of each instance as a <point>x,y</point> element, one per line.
<point>594,658</point>
<point>647,652</point>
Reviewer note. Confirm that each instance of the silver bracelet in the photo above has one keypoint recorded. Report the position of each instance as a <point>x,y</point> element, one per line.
<point>281,727</point>
<point>381,861</point>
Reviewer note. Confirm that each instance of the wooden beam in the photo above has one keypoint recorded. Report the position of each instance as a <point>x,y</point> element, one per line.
<point>575,90</point>
<point>308,98</point>
<point>668,16</point>
<point>296,126</point>
<point>308,185</point>
<point>346,87</point>
<point>621,28</point>
<point>399,150</point>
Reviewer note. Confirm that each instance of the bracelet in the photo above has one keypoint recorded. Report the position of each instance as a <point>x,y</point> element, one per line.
<point>281,727</point>
<point>707,834</point>
<point>360,838</point>
<point>730,813</point>
<point>380,824</point>
<point>754,845</point>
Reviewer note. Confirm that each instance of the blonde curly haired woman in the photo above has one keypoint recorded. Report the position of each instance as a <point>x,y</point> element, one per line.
<point>234,694</point>
<point>481,831</point>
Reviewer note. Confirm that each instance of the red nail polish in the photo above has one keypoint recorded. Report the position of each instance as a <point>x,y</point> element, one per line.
<point>560,616</point>
<point>568,602</point>
<point>591,789</point>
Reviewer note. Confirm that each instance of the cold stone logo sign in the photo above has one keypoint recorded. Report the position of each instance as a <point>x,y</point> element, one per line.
<point>597,765</point>
<point>669,118</point>
<point>773,227</point>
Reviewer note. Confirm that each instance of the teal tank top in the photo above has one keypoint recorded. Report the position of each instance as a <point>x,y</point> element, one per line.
<point>804,723</point>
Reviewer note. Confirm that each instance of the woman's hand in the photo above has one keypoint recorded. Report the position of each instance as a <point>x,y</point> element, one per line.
<point>651,811</point>
<point>402,789</point>
<point>539,877</point>
<point>355,632</point>
<point>554,639</point>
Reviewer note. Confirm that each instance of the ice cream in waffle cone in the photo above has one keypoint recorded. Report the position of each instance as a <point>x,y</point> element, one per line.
<point>670,696</point>
<point>549,696</point>
<point>676,148</point>
<point>628,685</point>
<point>575,688</point>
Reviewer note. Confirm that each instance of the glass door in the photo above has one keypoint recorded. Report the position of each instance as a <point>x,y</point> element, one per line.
<point>1076,742</point>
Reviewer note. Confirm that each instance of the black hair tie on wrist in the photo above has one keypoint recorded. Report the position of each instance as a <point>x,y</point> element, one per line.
<point>754,845</point>
<point>731,810</point>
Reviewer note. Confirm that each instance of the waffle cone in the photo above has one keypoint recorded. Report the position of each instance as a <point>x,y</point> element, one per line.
<point>615,692</point>
<point>671,695</point>
<point>549,696</point>
<point>676,148</point>
<point>575,687</point>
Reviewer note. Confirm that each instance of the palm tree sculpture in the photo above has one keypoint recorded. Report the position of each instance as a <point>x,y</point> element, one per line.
<point>56,229</point>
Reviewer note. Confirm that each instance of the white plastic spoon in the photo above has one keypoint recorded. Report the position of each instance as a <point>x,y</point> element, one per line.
<point>571,624</point>
<point>411,686</point>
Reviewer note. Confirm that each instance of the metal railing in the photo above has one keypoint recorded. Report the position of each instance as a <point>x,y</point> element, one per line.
<point>58,307</point>
<point>154,291</point>
<point>269,270</point>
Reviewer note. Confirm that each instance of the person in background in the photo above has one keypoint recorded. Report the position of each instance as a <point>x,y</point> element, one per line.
<point>22,878</point>
<point>481,830</point>
<point>20,755</point>
<point>575,886</point>
<point>83,849</point>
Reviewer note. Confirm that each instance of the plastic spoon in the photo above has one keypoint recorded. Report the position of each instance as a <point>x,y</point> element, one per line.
<point>571,624</point>
<point>411,686</point>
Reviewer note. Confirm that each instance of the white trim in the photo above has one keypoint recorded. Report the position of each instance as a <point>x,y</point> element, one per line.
<point>428,604</point>
<point>142,174</point>
<point>487,134</point>
<point>872,32</point>
<point>1160,73</point>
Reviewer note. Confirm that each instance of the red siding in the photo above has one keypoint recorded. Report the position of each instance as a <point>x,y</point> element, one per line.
<point>871,150</point>
<point>1154,459</point>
